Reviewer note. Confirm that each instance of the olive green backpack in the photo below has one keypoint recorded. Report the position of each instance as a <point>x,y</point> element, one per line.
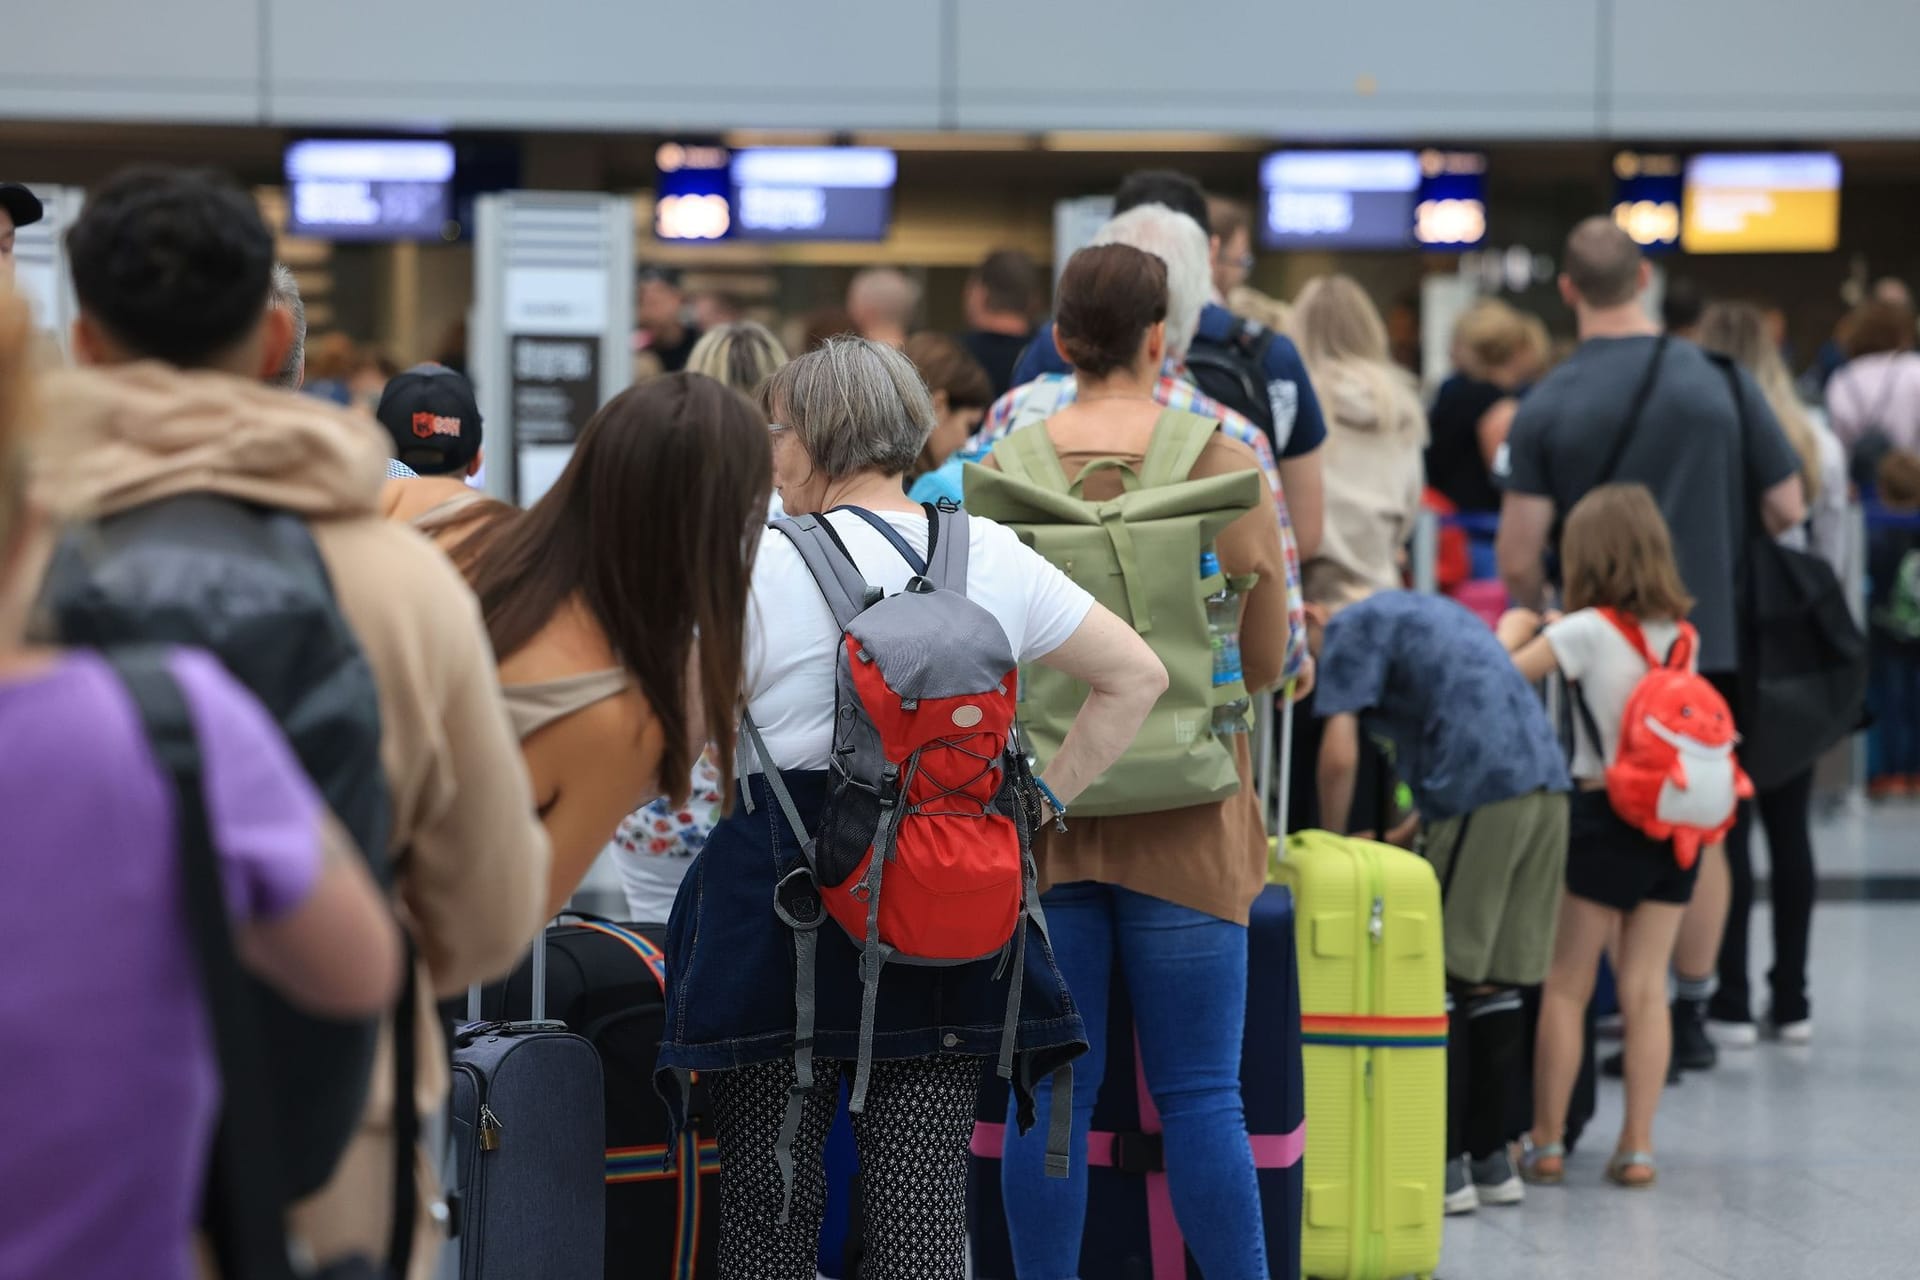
<point>1139,555</point>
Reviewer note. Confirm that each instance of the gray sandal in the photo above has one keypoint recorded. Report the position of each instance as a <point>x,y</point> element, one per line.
<point>1531,1171</point>
<point>1625,1160</point>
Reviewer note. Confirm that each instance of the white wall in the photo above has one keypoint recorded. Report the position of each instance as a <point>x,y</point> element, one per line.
<point>1388,69</point>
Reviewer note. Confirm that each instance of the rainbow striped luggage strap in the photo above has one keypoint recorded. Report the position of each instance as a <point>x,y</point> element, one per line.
<point>1373,1031</point>
<point>689,1160</point>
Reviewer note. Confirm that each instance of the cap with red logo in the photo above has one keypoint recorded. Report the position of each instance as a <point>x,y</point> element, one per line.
<point>430,412</point>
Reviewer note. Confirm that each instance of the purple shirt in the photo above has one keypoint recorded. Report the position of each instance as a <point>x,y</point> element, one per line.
<point>108,1085</point>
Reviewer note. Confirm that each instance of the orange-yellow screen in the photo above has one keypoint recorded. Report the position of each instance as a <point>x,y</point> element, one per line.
<point>1762,204</point>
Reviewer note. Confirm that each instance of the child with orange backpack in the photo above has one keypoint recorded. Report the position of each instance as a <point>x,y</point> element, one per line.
<point>1657,781</point>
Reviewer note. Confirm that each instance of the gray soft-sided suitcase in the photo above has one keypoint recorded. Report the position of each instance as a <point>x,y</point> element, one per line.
<point>529,1131</point>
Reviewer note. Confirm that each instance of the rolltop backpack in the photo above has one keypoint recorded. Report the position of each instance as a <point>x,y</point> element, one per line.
<point>1675,776</point>
<point>923,854</point>
<point>1140,555</point>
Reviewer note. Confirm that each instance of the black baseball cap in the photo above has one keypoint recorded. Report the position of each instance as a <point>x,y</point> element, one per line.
<point>435,423</point>
<point>21,205</point>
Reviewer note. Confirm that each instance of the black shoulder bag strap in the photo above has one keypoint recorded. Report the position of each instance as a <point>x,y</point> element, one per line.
<point>406,1118</point>
<point>242,1212</point>
<point>1617,453</point>
<point>1635,412</point>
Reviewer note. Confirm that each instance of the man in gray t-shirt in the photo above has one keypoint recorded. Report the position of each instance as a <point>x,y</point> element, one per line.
<point>1687,447</point>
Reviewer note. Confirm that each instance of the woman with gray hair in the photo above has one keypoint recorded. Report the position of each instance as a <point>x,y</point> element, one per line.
<point>848,422</point>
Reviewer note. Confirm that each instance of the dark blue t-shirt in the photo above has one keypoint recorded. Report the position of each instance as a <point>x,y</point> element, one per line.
<point>1298,422</point>
<point>1429,679</point>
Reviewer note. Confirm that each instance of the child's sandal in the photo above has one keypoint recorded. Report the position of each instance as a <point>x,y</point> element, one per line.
<point>1535,1166</point>
<point>1620,1170</point>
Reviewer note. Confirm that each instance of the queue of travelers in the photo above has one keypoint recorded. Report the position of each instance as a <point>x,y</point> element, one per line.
<point>701,654</point>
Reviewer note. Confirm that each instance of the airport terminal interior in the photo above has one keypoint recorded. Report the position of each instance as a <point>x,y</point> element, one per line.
<point>558,203</point>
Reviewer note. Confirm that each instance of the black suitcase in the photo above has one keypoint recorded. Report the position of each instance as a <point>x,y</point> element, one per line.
<point>528,1133</point>
<point>607,981</point>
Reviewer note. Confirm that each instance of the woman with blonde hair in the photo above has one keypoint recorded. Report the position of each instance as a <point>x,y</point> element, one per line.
<point>1739,330</point>
<point>1497,352</point>
<point>741,355</point>
<point>1373,472</point>
<point>1373,468</point>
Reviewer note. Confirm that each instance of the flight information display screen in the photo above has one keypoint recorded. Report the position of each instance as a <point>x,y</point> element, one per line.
<point>345,189</point>
<point>813,193</point>
<point>1648,190</point>
<point>706,192</point>
<point>1450,207</point>
<point>1434,200</point>
<point>1339,199</point>
<point>1762,203</point>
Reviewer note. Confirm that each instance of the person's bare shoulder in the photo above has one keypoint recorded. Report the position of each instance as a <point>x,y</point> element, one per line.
<point>408,499</point>
<point>1224,455</point>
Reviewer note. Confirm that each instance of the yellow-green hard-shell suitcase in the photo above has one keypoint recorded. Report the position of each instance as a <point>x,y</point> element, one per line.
<point>1374,1029</point>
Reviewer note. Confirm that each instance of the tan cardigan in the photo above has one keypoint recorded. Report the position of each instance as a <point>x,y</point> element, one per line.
<point>470,856</point>
<point>1374,473</point>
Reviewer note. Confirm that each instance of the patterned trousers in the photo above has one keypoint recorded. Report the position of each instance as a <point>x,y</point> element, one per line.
<point>913,1139</point>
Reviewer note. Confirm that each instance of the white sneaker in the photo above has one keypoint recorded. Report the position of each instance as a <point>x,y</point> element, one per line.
<point>1733,1035</point>
<point>1496,1181</point>
<point>1461,1196</point>
<point>1795,1033</point>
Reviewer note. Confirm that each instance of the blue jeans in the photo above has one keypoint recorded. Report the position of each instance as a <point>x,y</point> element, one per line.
<point>1894,695</point>
<point>1186,973</point>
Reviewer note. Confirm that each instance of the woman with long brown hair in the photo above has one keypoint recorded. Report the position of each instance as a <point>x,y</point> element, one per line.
<point>656,843</point>
<point>617,603</point>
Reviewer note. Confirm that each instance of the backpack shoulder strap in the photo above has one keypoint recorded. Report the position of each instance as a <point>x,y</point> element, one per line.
<point>1254,340</point>
<point>914,559</point>
<point>1028,454</point>
<point>948,551</point>
<point>1179,438</point>
<point>1685,644</point>
<point>832,568</point>
<point>1631,632</point>
<point>1588,722</point>
<point>242,1206</point>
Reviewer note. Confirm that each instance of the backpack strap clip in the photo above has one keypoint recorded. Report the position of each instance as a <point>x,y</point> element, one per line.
<point>796,900</point>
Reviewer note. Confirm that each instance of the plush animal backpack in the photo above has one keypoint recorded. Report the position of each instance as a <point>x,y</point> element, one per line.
<point>1675,776</point>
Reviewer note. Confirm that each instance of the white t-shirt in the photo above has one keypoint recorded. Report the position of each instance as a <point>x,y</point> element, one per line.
<point>1591,651</point>
<point>793,643</point>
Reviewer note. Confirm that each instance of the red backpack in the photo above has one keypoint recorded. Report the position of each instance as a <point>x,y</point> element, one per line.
<point>923,854</point>
<point>1675,776</point>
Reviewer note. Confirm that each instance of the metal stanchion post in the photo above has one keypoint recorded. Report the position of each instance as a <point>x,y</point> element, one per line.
<point>1425,553</point>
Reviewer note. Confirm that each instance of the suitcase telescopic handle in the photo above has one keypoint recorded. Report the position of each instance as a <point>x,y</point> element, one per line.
<point>538,1013</point>
<point>1264,760</point>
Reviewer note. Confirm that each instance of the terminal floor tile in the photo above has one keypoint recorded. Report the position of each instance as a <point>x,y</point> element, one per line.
<point>1782,1164</point>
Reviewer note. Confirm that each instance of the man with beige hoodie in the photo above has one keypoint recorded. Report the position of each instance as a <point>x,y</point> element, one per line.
<point>172,273</point>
